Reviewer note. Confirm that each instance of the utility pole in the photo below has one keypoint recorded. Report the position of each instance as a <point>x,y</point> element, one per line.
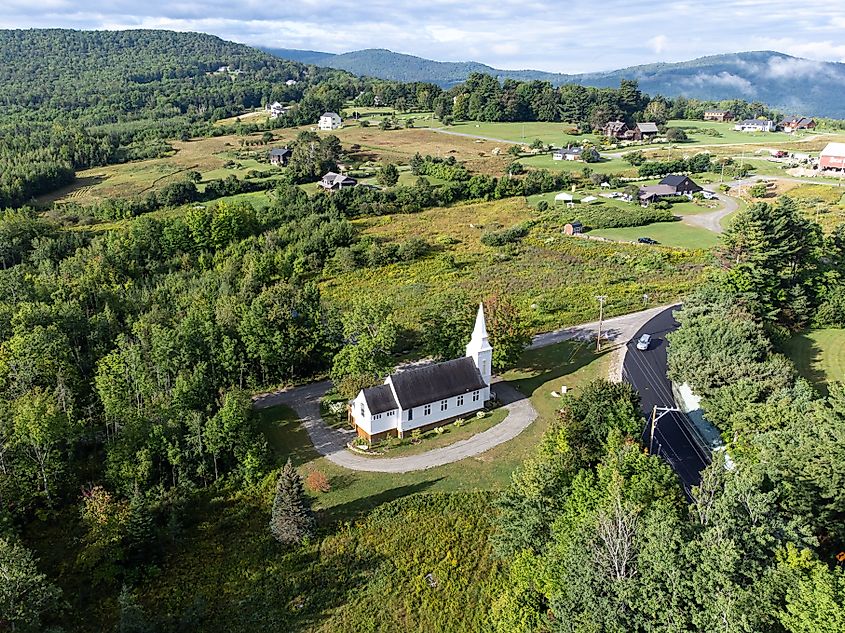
<point>655,418</point>
<point>602,299</point>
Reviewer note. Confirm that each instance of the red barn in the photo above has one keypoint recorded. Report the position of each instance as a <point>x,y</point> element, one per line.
<point>833,157</point>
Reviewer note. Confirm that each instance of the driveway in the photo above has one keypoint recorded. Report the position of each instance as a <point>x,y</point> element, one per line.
<point>713,221</point>
<point>331,443</point>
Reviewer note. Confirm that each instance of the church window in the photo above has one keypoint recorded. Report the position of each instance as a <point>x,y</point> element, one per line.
<point>460,402</point>
<point>427,409</point>
<point>475,396</point>
<point>363,413</point>
<point>444,404</point>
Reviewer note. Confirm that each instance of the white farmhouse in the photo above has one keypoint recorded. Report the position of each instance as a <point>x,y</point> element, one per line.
<point>428,396</point>
<point>330,121</point>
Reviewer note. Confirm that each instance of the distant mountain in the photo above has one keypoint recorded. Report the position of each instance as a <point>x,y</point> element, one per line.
<point>791,84</point>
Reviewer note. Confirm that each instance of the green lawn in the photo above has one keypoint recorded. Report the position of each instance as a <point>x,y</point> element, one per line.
<point>819,356</point>
<point>550,133</point>
<point>675,234</point>
<point>606,166</point>
<point>727,135</point>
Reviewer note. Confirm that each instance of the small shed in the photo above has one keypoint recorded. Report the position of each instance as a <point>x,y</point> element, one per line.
<point>564,197</point>
<point>589,199</point>
<point>573,228</point>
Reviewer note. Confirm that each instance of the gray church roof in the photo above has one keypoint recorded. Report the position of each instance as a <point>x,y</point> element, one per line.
<point>380,399</point>
<point>430,383</point>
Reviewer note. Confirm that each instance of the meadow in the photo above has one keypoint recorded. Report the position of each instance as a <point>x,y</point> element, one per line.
<point>551,277</point>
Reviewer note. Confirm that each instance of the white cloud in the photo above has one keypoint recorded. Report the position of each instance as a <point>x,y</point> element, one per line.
<point>721,79</point>
<point>506,33</point>
<point>658,43</point>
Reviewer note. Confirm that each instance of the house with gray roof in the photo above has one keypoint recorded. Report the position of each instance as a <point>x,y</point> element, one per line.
<point>427,396</point>
<point>646,131</point>
<point>280,156</point>
<point>332,181</point>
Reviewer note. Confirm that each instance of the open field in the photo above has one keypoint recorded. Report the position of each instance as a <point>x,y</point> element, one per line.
<point>675,234</point>
<point>819,356</point>
<point>551,277</point>
<point>728,136</point>
<point>550,133</point>
<point>615,166</point>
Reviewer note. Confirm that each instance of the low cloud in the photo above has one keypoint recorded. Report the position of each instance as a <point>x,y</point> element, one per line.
<point>724,78</point>
<point>658,43</point>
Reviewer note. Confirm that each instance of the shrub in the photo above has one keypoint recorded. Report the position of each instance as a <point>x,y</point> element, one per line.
<point>543,205</point>
<point>316,481</point>
<point>602,216</point>
<point>459,422</point>
<point>506,236</point>
<point>439,430</point>
<point>416,435</point>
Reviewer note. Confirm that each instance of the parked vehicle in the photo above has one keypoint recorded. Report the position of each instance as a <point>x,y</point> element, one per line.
<point>644,342</point>
<point>647,240</point>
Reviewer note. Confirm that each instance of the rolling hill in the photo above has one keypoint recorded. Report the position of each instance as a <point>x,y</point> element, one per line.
<point>792,84</point>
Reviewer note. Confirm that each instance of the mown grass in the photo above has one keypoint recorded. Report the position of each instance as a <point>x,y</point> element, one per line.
<point>615,166</point>
<point>550,133</point>
<point>819,356</point>
<point>676,234</point>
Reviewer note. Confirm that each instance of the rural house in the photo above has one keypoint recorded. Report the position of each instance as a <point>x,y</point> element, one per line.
<point>330,121</point>
<point>428,396</point>
<point>568,153</point>
<point>616,129</point>
<point>276,110</point>
<point>645,131</point>
<point>674,185</point>
<point>682,185</point>
<point>332,181</point>
<point>755,125</point>
<point>833,157</point>
<point>718,115</point>
<point>280,156</point>
<point>794,123</point>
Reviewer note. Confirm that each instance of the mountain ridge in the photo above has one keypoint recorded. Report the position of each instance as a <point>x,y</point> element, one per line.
<point>791,84</point>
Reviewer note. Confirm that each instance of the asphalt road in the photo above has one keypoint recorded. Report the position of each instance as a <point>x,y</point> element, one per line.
<point>674,438</point>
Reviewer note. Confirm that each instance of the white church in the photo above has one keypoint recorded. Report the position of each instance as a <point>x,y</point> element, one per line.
<point>428,396</point>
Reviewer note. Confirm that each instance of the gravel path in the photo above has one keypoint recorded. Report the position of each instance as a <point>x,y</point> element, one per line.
<point>331,443</point>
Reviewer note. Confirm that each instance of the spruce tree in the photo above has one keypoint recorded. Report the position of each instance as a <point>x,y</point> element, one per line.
<point>291,520</point>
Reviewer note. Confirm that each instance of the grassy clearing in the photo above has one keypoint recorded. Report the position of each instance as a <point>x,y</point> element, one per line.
<point>676,234</point>
<point>550,133</point>
<point>615,166</point>
<point>821,203</point>
<point>552,278</point>
<point>819,356</point>
<point>728,136</point>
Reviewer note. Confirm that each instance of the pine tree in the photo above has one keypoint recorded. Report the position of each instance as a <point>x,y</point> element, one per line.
<point>291,520</point>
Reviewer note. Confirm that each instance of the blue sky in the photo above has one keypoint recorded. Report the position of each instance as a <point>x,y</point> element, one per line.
<point>574,36</point>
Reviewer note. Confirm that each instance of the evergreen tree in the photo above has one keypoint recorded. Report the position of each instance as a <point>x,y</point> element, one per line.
<point>132,616</point>
<point>291,520</point>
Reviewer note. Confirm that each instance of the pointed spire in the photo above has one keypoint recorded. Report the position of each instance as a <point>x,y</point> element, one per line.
<point>480,331</point>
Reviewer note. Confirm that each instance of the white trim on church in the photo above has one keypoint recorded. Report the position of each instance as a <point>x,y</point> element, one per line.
<point>426,396</point>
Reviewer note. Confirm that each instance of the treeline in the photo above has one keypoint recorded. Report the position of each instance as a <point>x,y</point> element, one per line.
<point>484,98</point>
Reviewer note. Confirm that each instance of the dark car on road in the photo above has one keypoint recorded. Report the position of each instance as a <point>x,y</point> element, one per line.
<point>647,240</point>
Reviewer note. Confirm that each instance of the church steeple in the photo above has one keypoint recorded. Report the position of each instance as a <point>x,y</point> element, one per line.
<point>479,348</point>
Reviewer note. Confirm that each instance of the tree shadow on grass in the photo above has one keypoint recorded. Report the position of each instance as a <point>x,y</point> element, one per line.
<point>286,436</point>
<point>806,354</point>
<point>359,507</point>
<point>539,366</point>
